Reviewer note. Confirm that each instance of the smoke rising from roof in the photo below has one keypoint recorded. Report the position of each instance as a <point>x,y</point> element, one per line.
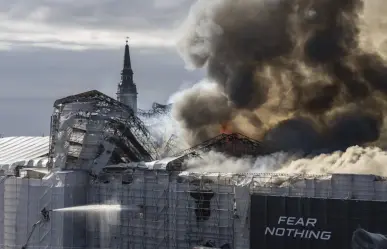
<point>299,74</point>
<point>354,160</point>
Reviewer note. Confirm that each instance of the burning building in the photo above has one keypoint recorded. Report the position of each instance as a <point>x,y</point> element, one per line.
<point>163,204</point>
<point>101,153</point>
<point>92,129</point>
<point>308,85</point>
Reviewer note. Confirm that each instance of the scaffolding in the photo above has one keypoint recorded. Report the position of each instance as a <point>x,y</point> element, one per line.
<point>91,128</point>
<point>187,210</point>
<point>170,215</point>
<point>171,147</point>
<point>160,123</point>
<point>164,209</point>
<point>156,110</point>
<point>233,144</point>
<point>163,206</point>
<point>22,225</point>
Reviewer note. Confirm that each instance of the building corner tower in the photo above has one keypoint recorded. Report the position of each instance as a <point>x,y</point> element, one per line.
<point>127,90</point>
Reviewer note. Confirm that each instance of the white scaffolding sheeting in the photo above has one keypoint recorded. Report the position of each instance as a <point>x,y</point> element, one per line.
<point>186,210</point>
<point>165,210</point>
<point>26,151</point>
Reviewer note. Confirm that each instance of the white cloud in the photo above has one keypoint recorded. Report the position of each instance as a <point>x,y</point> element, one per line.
<point>97,24</point>
<point>53,48</point>
<point>39,34</point>
<point>167,4</point>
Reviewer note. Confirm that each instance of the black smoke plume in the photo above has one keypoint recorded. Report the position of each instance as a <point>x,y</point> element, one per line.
<point>289,72</point>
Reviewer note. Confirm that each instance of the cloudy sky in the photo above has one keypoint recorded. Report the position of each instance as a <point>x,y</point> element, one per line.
<point>53,48</point>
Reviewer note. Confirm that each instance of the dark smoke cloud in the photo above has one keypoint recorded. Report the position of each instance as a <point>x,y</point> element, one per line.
<point>202,107</point>
<point>289,72</point>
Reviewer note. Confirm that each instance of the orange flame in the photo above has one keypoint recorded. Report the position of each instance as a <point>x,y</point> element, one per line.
<point>225,128</point>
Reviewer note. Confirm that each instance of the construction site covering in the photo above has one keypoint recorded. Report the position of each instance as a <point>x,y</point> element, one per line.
<point>106,186</point>
<point>163,209</point>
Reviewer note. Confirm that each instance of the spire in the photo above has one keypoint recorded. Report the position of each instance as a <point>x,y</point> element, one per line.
<point>127,63</point>
<point>127,90</point>
<point>127,72</point>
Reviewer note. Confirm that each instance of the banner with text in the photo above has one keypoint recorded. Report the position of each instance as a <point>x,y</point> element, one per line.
<point>294,222</point>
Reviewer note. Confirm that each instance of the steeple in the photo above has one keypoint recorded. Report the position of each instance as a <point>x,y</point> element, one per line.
<point>127,63</point>
<point>127,90</point>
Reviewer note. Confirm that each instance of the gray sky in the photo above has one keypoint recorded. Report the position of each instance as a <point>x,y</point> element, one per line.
<point>53,48</point>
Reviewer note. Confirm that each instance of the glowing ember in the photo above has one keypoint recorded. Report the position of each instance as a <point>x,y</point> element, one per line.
<point>225,128</point>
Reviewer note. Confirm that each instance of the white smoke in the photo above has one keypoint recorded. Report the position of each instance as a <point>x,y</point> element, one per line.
<point>374,29</point>
<point>166,132</point>
<point>216,162</point>
<point>198,24</point>
<point>355,160</point>
<point>164,127</point>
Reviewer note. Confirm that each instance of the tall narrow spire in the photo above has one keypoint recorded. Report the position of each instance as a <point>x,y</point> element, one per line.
<point>127,63</point>
<point>127,90</point>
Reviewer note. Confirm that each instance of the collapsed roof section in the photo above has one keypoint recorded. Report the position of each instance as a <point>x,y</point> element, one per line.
<point>90,96</point>
<point>91,129</point>
<point>157,109</point>
<point>160,123</point>
<point>236,145</point>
